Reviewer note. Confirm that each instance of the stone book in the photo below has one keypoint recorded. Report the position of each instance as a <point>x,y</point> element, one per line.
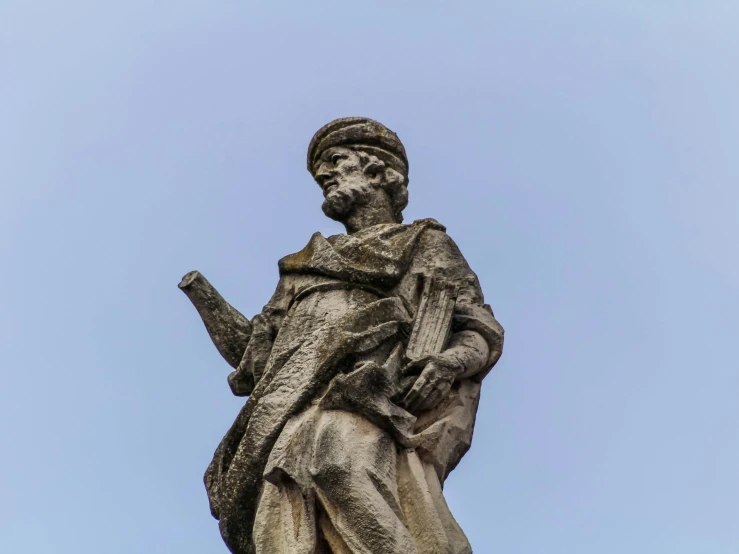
<point>433,322</point>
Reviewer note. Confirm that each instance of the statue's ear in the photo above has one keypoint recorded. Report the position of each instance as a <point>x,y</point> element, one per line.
<point>374,166</point>
<point>394,177</point>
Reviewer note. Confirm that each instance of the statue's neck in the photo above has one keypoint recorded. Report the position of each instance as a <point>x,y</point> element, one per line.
<point>369,215</point>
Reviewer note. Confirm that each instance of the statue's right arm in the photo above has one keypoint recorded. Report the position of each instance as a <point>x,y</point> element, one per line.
<point>229,330</point>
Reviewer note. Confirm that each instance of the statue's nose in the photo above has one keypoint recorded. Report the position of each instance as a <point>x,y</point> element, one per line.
<point>323,177</point>
<point>323,174</point>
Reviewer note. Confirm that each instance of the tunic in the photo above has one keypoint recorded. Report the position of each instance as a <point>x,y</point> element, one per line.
<point>322,456</point>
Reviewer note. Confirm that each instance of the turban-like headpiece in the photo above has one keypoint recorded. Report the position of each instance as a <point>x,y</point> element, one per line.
<point>360,132</point>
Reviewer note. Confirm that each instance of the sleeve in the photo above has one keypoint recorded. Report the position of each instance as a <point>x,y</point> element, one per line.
<point>265,326</point>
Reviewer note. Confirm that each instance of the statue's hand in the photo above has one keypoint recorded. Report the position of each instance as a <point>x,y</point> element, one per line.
<point>433,383</point>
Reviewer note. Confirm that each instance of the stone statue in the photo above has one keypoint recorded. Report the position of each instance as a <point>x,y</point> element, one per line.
<point>363,372</point>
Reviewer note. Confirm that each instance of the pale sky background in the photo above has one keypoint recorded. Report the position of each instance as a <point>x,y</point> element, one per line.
<point>584,156</point>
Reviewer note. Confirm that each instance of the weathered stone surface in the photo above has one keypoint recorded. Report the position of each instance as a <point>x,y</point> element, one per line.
<point>363,372</point>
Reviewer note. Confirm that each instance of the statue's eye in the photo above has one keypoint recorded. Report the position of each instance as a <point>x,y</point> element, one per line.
<point>336,158</point>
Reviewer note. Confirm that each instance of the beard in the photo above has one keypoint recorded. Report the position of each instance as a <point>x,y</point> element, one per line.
<point>339,203</point>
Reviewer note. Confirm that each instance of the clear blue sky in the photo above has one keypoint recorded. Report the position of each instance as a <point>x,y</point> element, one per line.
<point>584,155</point>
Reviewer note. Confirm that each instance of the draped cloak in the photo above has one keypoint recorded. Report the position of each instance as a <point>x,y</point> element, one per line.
<point>303,350</point>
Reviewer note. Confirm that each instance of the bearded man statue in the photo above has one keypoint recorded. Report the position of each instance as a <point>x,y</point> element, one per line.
<point>363,372</point>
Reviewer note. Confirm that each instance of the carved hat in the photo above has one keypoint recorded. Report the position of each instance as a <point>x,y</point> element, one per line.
<point>369,135</point>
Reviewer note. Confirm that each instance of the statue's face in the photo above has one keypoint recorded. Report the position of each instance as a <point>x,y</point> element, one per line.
<point>344,182</point>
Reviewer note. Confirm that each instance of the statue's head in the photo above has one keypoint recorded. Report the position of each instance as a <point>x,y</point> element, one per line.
<point>359,162</point>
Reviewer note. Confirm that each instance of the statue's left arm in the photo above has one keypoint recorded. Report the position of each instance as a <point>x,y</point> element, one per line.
<point>229,330</point>
<point>476,341</point>
<point>244,344</point>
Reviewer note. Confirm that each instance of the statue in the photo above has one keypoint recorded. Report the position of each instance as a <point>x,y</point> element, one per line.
<point>363,372</point>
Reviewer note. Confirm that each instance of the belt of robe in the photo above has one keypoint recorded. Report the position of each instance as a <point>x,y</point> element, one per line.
<point>334,285</point>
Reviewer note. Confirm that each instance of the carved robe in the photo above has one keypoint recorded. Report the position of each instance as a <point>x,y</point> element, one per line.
<point>321,458</point>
